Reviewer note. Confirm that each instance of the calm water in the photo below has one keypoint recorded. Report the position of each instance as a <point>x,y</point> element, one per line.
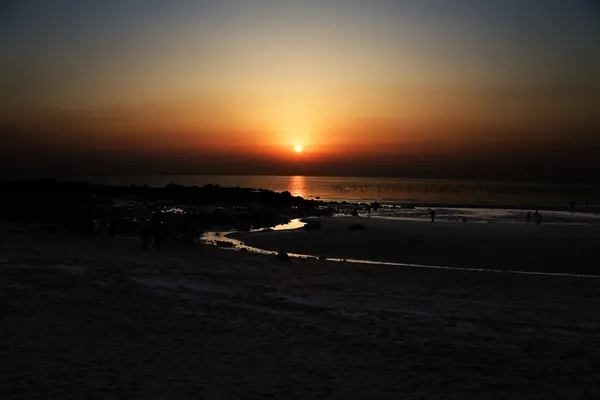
<point>388,190</point>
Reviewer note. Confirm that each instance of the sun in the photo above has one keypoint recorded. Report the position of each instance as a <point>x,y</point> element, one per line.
<point>298,149</point>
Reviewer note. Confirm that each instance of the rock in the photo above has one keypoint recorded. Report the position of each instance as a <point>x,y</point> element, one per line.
<point>354,213</point>
<point>312,224</point>
<point>355,227</point>
<point>283,256</point>
<point>375,206</point>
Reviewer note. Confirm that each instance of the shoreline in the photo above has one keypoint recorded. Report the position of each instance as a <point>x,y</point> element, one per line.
<point>526,248</point>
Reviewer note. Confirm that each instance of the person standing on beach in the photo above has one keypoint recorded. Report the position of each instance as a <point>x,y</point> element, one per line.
<point>110,227</point>
<point>528,218</point>
<point>145,233</point>
<point>432,215</point>
<point>2,240</point>
<point>157,233</point>
<point>537,217</point>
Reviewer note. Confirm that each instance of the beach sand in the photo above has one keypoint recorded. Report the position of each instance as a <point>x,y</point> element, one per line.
<point>553,248</point>
<point>102,319</point>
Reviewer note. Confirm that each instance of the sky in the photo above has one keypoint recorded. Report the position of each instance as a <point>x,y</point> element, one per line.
<point>431,88</point>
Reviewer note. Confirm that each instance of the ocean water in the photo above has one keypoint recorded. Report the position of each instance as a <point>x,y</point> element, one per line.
<point>391,190</point>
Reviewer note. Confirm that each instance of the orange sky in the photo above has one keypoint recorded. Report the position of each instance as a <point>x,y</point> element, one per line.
<point>247,81</point>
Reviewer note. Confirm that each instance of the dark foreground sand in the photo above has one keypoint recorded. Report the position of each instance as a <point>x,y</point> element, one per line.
<point>555,248</point>
<point>101,319</point>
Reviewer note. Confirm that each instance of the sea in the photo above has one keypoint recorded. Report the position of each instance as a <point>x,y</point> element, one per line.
<point>474,201</point>
<point>392,191</point>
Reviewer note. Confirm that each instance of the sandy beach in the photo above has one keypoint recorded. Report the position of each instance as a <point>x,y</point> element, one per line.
<point>102,319</point>
<point>551,248</point>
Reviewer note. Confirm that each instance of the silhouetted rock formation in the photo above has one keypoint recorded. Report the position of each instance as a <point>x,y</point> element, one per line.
<point>89,209</point>
<point>375,206</point>
<point>312,224</point>
<point>355,227</point>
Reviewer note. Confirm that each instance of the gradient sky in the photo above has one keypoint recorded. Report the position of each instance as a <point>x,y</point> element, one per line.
<point>438,88</point>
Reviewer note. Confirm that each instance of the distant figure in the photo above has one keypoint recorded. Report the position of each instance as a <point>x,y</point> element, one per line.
<point>146,231</point>
<point>110,227</point>
<point>537,217</point>
<point>158,234</point>
<point>156,229</point>
<point>2,240</point>
<point>528,218</point>
<point>572,204</point>
<point>432,215</point>
<point>369,210</point>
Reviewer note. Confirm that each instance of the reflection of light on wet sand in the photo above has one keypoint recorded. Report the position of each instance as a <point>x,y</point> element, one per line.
<point>236,245</point>
<point>293,224</point>
<point>297,186</point>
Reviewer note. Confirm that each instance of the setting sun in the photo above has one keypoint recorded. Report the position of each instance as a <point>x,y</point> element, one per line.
<point>298,149</point>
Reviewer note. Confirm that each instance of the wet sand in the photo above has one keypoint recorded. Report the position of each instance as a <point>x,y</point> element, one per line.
<point>551,248</point>
<point>102,319</point>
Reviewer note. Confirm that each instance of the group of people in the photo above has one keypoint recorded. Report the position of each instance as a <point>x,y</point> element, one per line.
<point>536,217</point>
<point>152,229</point>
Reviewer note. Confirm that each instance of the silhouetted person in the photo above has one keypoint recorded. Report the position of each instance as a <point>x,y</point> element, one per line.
<point>528,218</point>
<point>157,232</point>
<point>87,225</point>
<point>110,227</point>
<point>146,233</point>
<point>572,204</point>
<point>537,217</point>
<point>432,215</point>
<point>2,239</point>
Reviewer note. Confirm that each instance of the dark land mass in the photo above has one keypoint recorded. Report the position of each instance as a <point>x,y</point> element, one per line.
<point>184,211</point>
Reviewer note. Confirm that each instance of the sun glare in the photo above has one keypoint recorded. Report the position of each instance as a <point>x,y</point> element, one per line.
<point>298,149</point>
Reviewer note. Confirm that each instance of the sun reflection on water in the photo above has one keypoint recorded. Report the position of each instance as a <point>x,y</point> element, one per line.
<point>297,186</point>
